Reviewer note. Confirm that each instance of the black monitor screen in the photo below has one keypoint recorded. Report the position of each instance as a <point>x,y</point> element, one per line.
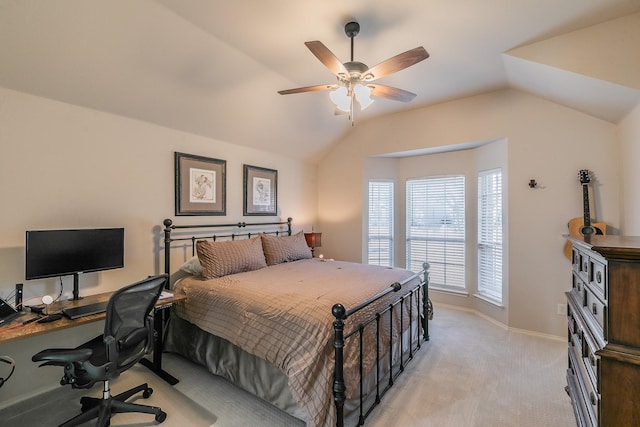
<point>51,253</point>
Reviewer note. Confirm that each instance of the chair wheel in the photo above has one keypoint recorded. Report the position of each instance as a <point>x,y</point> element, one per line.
<point>147,392</point>
<point>161,416</point>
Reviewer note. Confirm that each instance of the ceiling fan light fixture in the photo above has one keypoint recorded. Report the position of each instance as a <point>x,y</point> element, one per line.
<point>354,77</point>
<point>363,95</point>
<point>341,99</point>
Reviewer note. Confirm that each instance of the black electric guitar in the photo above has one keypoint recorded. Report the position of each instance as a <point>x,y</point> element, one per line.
<point>583,226</point>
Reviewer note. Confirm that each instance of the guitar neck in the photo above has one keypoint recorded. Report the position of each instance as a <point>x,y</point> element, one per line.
<point>585,203</point>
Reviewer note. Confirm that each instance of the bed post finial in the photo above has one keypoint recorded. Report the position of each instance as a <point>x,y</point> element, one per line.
<point>167,246</point>
<point>289,225</point>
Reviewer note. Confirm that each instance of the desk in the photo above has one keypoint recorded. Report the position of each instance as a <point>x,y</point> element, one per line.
<point>15,330</point>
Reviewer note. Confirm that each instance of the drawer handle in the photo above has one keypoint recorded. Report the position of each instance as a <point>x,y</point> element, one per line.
<point>592,359</point>
<point>585,267</point>
<point>599,277</point>
<point>593,398</point>
<point>594,308</point>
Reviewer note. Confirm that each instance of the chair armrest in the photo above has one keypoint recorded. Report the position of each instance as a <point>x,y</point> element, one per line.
<point>133,338</point>
<point>63,355</point>
<point>149,321</point>
<point>111,348</point>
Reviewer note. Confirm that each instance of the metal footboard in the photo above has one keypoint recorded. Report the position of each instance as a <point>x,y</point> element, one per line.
<point>420,322</point>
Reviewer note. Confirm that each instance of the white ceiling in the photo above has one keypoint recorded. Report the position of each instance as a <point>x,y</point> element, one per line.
<point>213,67</point>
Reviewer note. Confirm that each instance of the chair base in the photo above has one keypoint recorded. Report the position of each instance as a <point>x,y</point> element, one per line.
<point>103,408</point>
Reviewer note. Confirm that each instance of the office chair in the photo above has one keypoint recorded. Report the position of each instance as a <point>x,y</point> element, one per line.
<point>127,337</point>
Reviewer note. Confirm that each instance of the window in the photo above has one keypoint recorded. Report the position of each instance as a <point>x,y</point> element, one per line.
<point>380,234</point>
<point>490,235</point>
<point>436,229</point>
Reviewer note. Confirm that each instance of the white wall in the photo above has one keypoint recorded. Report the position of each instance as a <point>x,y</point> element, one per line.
<point>64,166</point>
<point>546,142</point>
<point>629,134</point>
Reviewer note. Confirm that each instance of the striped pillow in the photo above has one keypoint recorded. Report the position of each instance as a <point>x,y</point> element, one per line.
<point>222,258</point>
<point>285,249</point>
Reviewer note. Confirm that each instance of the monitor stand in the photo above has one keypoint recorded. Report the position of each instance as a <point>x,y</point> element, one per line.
<point>76,287</point>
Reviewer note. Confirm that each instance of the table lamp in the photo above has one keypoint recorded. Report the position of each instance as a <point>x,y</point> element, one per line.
<point>314,240</point>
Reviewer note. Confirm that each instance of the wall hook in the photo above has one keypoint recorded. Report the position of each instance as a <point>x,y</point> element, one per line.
<point>534,184</point>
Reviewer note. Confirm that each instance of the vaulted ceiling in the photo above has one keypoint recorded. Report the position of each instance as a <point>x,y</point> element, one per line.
<point>213,67</point>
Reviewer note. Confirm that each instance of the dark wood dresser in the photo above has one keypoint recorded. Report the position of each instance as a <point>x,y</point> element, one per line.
<point>603,309</point>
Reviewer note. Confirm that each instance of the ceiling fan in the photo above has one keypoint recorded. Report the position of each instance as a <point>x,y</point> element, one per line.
<point>355,78</point>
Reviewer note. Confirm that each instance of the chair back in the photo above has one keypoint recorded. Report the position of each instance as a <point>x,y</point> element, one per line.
<point>128,332</point>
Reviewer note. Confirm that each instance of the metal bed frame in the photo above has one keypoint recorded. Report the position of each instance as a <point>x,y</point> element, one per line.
<point>340,313</point>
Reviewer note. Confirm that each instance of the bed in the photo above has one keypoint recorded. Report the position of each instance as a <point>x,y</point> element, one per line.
<point>323,340</point>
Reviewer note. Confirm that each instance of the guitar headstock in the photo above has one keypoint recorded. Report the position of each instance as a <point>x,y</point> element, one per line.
<point>585,176</point>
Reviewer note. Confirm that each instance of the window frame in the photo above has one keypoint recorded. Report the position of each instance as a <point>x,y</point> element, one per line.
<point>490,241</point>
<point>448,245</point>
<point>390,229</point>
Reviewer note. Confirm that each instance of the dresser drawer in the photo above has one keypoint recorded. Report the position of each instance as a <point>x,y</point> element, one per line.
<point>595,310</point>
<point>591,361</point>
<point>576,261</point>
<point>575,341</point>
<point>598,277</point>
<point>584,396</point>
<point>571,322</point>
<point>575,323</point>
<point>582,266</point>
<point>579,406</point>
<point>578,288</point>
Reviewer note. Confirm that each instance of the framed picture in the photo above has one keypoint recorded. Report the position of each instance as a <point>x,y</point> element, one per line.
<point>200,185</point>
<point>260,191</point>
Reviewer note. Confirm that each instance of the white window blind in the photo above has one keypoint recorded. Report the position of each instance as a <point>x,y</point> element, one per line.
<point>380,234</point>
<point>490,234</point>
<point>436,229</point>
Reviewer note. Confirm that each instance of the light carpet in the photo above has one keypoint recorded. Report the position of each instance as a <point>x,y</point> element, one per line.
<point>472,373</point>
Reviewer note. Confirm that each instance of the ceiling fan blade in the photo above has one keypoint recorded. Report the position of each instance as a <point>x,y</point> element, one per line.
<point>327,58</point>
<point>397,63</point>
<point>307,89</point>
<point>392,93</point>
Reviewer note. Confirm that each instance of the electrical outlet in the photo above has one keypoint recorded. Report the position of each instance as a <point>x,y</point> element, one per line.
<point>562,309</point>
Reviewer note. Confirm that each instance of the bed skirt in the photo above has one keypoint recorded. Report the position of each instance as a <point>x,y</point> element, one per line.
<point>220,357</point>
<point>254,375</point>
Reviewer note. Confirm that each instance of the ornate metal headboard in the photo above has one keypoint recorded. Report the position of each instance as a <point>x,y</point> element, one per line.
<point>193,233</point>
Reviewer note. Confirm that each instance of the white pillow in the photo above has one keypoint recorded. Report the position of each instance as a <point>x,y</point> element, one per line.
<point>192,267</point>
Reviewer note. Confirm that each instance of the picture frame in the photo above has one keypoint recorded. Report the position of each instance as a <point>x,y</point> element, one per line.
<point>200,185</point>
<point>260,191</point>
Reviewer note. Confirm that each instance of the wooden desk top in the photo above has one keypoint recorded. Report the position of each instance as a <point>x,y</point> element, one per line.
<point>15,330</point>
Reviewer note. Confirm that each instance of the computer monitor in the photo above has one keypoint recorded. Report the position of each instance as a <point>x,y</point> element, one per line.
<point>52,253</point>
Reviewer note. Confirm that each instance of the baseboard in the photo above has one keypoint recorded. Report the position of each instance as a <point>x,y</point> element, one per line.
<point>500,324</point>
<point>539,334</point>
